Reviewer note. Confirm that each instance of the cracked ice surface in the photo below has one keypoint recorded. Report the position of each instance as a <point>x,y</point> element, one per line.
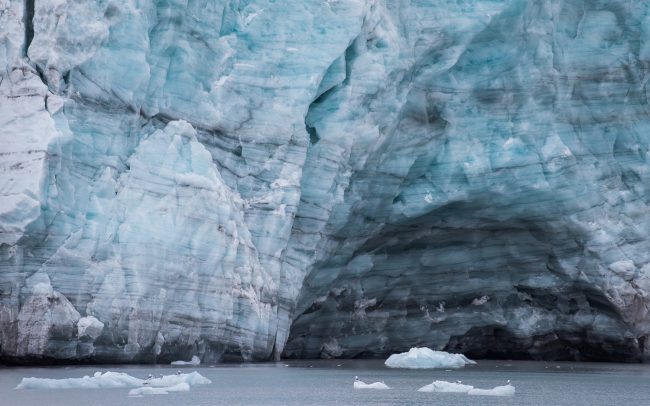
<point>348,178</point>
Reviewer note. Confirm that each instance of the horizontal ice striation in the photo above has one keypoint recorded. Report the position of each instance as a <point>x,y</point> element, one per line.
<point>348,178</point>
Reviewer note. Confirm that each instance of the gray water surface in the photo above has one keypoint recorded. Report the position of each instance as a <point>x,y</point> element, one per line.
<point>330,382</point>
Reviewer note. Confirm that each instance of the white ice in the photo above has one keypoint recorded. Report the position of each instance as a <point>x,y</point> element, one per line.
<point>89,327</point>
<point>148,390</point>
<point>358,384</point>
<point>444,386</point>
<point>194,361</point>
<point>505,390</point>
<point>112,380</point>
<point>422,357</point>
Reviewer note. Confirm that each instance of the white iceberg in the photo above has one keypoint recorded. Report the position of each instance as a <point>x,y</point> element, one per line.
<point>505,390</point>
<point>359,384</point>
<point>422,357</point>
<point>444,386</point>
<point>97,381</point>
<point>149,390</point>
<point>194,361</point>
<point>193,378</point>
<point>112,380</point>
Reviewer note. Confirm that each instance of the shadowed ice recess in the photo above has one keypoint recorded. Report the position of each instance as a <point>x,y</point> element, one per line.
<point>245,180</point>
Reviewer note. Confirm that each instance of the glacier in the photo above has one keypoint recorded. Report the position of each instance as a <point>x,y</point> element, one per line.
<point>256,179</point>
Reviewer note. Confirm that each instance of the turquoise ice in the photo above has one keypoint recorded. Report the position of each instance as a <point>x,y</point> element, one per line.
<point>244,179</point>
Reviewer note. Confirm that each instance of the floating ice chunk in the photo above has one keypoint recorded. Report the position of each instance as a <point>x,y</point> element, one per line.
<point>374,385</point>
<point>194,361</point>
<point>192,379</point>
<point>99,380</point>
<point>112,380</point>
<point>149,390</point>
<point>420,358</point>
<point>505,390</point>
<point>444,386</point>
<point>359,384</point>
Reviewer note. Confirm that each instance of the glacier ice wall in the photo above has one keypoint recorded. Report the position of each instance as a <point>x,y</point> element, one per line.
<point>246,179</point>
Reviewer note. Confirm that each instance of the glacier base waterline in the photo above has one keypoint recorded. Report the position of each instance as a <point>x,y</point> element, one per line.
<point>254,180</point>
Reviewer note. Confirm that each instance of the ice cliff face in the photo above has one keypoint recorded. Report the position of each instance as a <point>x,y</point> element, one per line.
<point>244,179</point>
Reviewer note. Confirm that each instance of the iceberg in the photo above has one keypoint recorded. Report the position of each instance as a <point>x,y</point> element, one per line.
<point>358,384</point>
<point>423,358</point>
<point>505,390</point>
<point>192,378</point>
<point>444,386</point>
<point>113,380</point>
<point>194,361</point>
<point>149,390</point>
<point>97,381</point>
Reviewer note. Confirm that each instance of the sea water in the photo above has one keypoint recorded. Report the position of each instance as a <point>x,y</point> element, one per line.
<point>320,382</point>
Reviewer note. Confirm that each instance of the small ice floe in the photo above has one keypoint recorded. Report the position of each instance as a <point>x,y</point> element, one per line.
<point>444,386</point>
<point>420,358</point>
<point>359,384</point>
<point>194,361</point>
<point>97,381</point>
<point>113,380</point>
<point>505,390</point>
<point>150,390</point>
